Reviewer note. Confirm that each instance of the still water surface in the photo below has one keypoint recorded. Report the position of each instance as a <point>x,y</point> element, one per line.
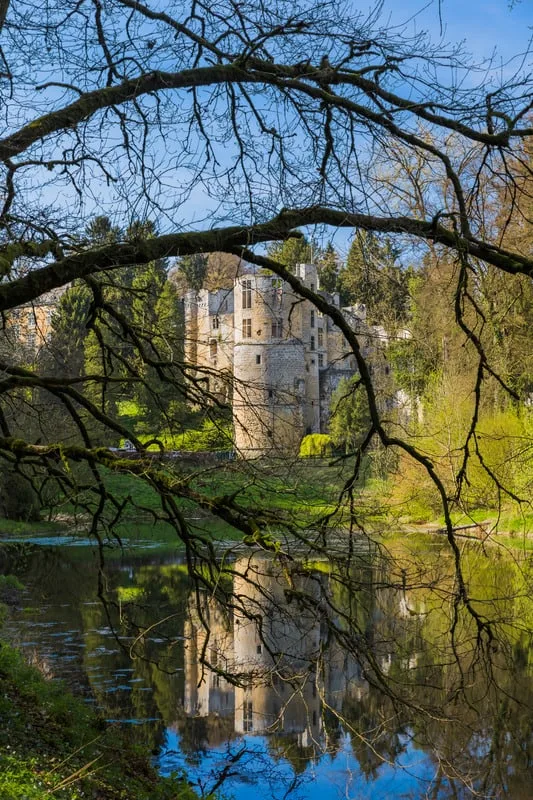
<point>292,705</point>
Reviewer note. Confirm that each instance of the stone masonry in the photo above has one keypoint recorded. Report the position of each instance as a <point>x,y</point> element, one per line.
<point>273,355</point>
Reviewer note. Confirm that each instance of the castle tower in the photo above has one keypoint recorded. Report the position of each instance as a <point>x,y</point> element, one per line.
<point>276,648</point>
<point>310,326</point>
<point>209,338</point>
<point>269,367</point>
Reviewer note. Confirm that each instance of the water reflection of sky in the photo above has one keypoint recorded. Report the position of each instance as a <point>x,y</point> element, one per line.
<point>198,722</point>
<point>328,777</point>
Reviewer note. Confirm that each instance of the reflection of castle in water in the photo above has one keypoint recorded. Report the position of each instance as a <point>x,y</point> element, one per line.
<point>282,670</point>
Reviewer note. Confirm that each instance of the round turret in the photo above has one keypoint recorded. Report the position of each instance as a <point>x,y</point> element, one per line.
<point>269,367</point>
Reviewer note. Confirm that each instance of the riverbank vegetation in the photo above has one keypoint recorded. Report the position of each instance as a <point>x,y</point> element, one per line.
<point>53,744</point>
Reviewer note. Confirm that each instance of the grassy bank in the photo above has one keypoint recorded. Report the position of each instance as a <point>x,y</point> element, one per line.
<point>296,491</point>
<point>52,744</point>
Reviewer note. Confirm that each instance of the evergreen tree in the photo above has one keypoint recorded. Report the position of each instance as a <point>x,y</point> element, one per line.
<point>194,268</point>
<point>328,268</point>
<point>372,276</point>
<point>161,392</point>
<point>63,354</point>
<point>294,251</point>
<point>350,415</point>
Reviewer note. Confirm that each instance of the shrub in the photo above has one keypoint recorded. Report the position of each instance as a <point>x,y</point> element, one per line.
<point>316,445</point>
<point>18,498</point>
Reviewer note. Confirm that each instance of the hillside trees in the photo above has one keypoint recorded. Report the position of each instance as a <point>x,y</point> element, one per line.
<point>236,126</point>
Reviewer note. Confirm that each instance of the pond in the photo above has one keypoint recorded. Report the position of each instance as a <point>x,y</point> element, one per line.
<point>355,678</point>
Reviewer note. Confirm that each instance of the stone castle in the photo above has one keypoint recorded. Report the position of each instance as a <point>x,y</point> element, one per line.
<point>273,355</point>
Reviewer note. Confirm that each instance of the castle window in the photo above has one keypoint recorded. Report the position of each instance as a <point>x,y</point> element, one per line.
<point>321,337</point>
<point>312,318</point>
<point>312,343</point>
<point>247,329</point>
<point>312,287</point>
<point>259,649</point>
<point>270,394</point>
<point>321,359</point>
<point>215,323</point>
<point>247,294</point>
<point>277,291</point>
<point>277,328</point>
<point>213,348</point>
<point>247,716</point>
<point>258,359</point>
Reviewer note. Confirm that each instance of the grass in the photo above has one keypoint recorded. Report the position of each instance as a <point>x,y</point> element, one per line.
<point>10,527</point>
<point>300,492</point>
<point>52,744</point>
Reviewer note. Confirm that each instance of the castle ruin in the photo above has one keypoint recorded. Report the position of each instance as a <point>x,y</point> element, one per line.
<point>273,355</point>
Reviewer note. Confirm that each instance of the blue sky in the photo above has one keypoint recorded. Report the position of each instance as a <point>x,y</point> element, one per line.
<point>484,25</point>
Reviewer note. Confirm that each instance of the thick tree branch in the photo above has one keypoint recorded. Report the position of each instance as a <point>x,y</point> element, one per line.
<point>310,81</point>
<point>61,272</point>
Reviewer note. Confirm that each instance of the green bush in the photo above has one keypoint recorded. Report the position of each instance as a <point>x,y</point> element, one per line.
<point>18,498</point>
<point>316,445</point>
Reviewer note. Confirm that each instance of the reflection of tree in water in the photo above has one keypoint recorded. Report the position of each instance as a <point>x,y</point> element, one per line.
<point>135,597</point>
<point>312,658</point>
<point>310,653</point>
<point>198,734</point>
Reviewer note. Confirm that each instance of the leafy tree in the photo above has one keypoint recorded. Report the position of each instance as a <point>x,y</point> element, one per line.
<point>276,118</point>
<point>316,445</point>
<point>194,267</point>
<point>372,276</point>
<point>293,251</point>
<point>350,416</point>
<point>162,390</point>
<point>63,353</point>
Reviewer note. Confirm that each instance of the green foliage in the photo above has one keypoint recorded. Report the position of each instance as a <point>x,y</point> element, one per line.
<point>195,270</point>
<point>499,466</point>
<point>161,393</point>
<point>9,582</point>
<point>63,354</point>
<point>129,594</point>
<point>18,498</point>
<point>372,276</point>
<point>293,251</point>
<point>316,445</point>
<point>328,268</point>
<point>53,744</point>
<point>213,435</point>
<point>350,415</point>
